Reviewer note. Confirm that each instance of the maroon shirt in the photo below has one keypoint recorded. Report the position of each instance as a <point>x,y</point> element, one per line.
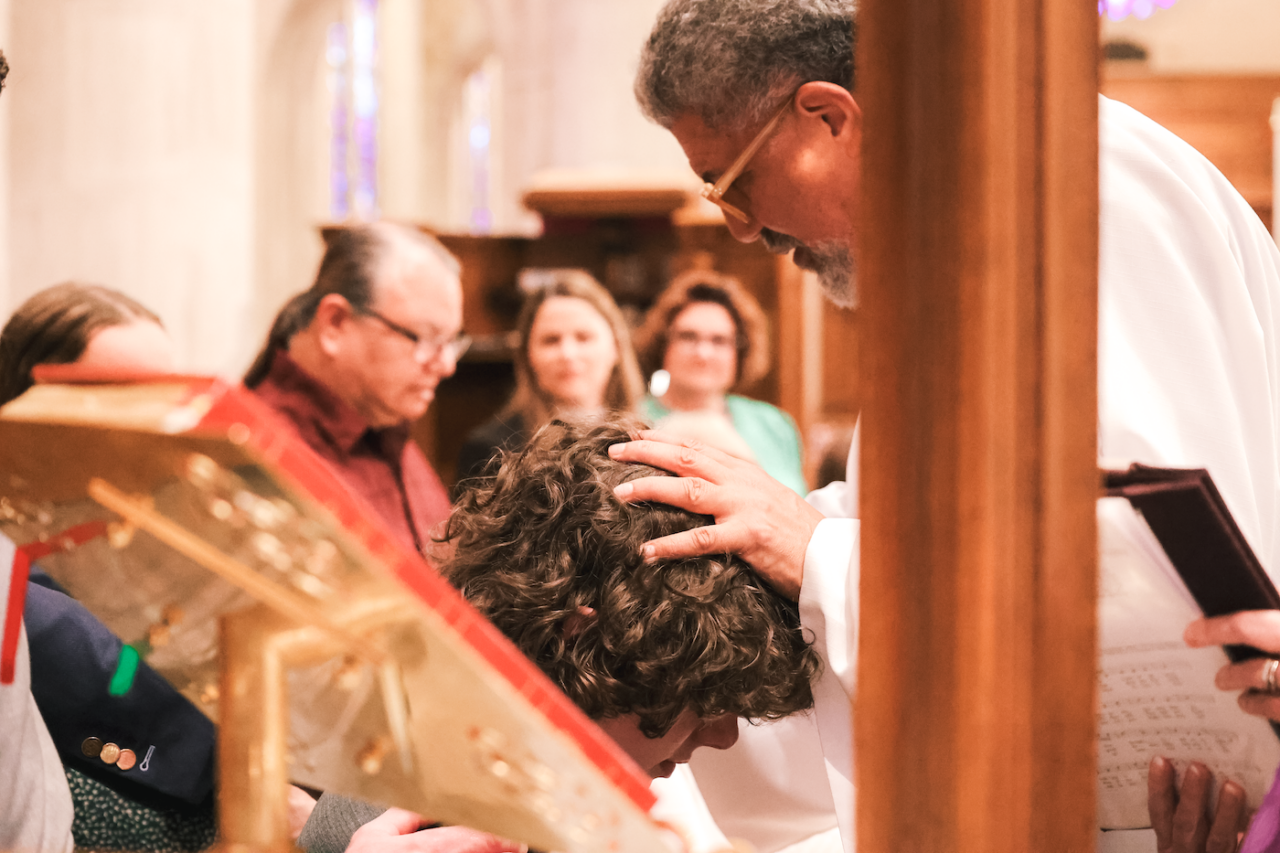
<point>382,466</point>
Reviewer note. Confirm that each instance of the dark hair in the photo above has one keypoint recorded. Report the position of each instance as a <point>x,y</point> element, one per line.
<point>731,62</point>
<point>626,385</point>
<point>695,286</point>
<point>54,327</point>
<point>353,257</point>
<point>546,537</point>
<point>4,70</point>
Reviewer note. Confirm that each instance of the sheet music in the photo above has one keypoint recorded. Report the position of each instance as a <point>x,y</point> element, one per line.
<point>1156,695</point>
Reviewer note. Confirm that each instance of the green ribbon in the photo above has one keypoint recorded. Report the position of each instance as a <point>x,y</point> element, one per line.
<point>126,669</point>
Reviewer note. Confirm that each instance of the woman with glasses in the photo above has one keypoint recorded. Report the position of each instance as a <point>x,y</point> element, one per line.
<point>574,358</point>
<point>708,337</point>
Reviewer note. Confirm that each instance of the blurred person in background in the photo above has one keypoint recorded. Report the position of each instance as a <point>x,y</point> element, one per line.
<point>574,357</point>
<point>354,361</point>
<point>166,801</point>
<point>81,323</point>
<point>710,338</point>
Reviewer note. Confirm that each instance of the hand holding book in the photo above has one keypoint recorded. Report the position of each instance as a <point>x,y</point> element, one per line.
<point>1259,629</point>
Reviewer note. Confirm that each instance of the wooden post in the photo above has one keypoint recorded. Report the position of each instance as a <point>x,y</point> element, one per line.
<point>978,260</point>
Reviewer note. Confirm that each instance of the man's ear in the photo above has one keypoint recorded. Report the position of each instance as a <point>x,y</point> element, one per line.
<point>329,324</point>
<point>579,621</point>
<point>834,106</point>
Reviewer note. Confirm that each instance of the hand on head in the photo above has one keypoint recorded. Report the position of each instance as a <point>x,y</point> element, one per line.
<point>757,518</point>
<point>1180,816</point>
<point>397,831</point>
<point>1257,628</point>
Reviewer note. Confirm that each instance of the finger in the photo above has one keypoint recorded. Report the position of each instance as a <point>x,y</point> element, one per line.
<point>1190,818</point>
<point>688,458</point>
<point>1227,820</point>
<point>1260,704</point>
<point>1246,675</point>
<point>716,539</point>
<point>715,453</point>
<point>692,493</point>
<point>1162,799</point>
<point>1258,628</point>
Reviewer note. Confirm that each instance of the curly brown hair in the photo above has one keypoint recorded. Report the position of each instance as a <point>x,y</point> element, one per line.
<point>546,538</point>
<point>699,285</point>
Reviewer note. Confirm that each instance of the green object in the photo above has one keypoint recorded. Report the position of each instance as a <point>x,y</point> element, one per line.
<point>767,430</point>
<point>126,669</point>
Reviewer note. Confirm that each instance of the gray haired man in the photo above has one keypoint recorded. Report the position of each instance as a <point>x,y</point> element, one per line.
<point>759,94</point>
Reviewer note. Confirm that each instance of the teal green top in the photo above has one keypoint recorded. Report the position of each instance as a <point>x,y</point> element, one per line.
<point>767,430</point>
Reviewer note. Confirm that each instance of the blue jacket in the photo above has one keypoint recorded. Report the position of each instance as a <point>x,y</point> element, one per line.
<point>73,659</point>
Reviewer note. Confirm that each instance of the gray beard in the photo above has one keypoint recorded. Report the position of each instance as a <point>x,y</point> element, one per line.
<point>831,261</point>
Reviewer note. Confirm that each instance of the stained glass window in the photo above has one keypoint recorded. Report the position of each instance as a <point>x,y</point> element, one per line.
<point>1118,10</point>
<point>477,113</point>
<point>351,56</point>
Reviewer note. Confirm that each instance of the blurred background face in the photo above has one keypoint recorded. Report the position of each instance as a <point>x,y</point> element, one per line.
<point>137,347</point>
<point>702,352</point>
<point>390,379</point>
<point>572,352</point>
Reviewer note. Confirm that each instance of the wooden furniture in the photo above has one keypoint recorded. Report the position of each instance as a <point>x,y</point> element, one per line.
<point>634,248</point>
<point>1224,117</point>
<point>974,718</point>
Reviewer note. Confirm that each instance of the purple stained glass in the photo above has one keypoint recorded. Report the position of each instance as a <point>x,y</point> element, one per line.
<point>351,56</point>
<point>336,56</point>
<point>364,99</point>
<point>1118,10</point>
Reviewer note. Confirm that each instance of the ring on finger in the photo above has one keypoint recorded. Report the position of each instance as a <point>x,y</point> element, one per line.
<point>1269,669</point>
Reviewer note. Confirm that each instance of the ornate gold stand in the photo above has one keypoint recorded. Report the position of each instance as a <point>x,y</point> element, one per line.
<point>258,645</point>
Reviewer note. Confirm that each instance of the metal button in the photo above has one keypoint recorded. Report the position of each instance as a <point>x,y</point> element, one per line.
<point>92,747</point>
<point>110,753</point>
<point>127,759</point>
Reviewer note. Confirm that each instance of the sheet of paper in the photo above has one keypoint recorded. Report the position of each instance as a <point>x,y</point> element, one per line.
<point>1155,695</point>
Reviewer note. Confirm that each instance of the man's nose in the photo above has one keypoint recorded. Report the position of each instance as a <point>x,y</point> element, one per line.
<point>719,733</point>
<point>444,362</point>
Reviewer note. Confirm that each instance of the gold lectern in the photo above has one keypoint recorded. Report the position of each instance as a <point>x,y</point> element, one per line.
<point>241,569</point>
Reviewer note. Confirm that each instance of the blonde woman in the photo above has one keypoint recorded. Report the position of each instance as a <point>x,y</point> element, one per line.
<point>574,359</point>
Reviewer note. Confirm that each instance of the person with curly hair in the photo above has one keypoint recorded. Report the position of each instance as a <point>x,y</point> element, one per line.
<point>665,656</point>
<point>650,650</point>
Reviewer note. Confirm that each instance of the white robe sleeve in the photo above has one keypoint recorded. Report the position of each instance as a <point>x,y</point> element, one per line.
<point>829,611</point>
<point>1189,321</point>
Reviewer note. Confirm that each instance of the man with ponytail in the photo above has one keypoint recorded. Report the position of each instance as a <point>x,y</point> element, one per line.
<point>352,362</point>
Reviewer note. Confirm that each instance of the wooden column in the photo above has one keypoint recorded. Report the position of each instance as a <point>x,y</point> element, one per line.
<point>975,700</point>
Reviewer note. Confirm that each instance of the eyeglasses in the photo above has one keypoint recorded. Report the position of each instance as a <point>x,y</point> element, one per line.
<point>424,348</point>
<point>691,339</point>
<point>714,193</point>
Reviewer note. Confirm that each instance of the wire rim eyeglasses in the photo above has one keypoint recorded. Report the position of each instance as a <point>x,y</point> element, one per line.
<point>714,193</point>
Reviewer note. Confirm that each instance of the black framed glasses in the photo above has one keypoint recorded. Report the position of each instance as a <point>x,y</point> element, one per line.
<point>424,348</point>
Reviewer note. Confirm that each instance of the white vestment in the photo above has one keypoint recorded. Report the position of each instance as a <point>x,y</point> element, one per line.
<point>1189,323</point>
